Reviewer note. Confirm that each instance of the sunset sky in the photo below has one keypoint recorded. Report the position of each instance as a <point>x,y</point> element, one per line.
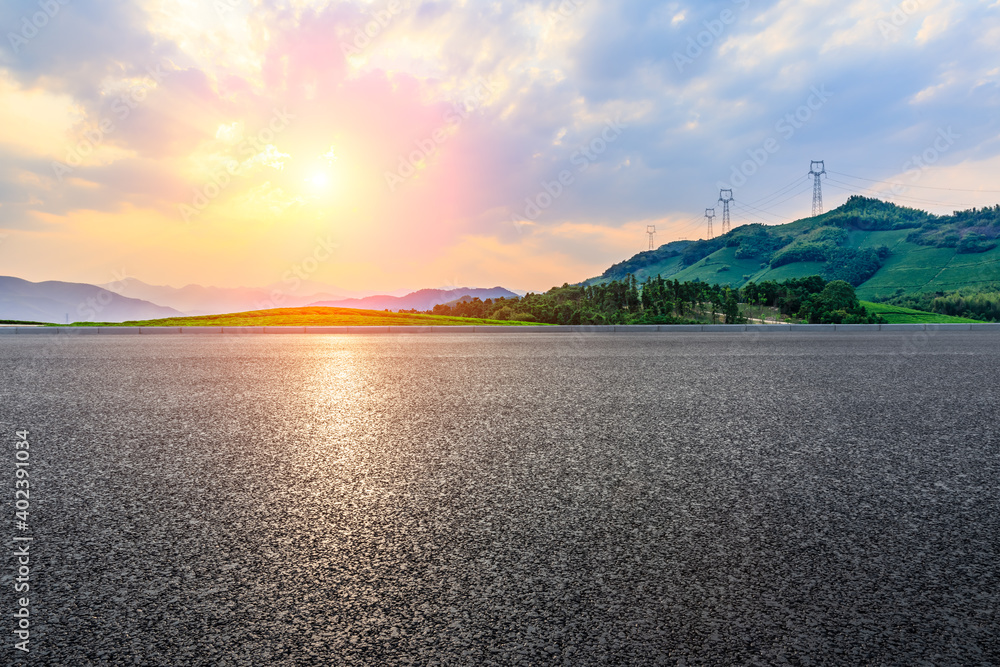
<point>400,144</point>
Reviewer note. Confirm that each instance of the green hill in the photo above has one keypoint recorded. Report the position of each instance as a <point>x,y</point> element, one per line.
<point>880,248</point>
<point>665,260</point>
<point>900,315</point>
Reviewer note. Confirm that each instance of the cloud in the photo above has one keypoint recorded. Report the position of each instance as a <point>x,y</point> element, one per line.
<point>74,47</point>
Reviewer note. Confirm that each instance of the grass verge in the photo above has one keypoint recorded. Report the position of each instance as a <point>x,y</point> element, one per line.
<point>900,315</point>
<point>297,317</point>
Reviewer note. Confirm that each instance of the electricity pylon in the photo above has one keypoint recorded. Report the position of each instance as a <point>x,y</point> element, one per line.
<point>710,215</point>
<point>816,168</point>
<point>725,196</point>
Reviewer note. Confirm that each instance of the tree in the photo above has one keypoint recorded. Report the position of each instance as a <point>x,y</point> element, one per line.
<point>731,308</point>
<point>838,295</point>
<point>717,304</point>
<point>632,295</point>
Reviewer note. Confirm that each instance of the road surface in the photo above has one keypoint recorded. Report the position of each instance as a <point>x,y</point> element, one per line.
<point>512,499</point>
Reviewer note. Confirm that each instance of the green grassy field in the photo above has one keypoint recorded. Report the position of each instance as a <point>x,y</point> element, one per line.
<point>869,239</point>
<point>899,315</point>
<point>317,316</point>
<point>707,269</point>
<point>911,268</point>
<point>666,267</point>
<point>789,271</point>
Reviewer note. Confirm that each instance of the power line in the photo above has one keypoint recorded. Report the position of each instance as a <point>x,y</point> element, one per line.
<point>696,221</point>
<point>780,192</point>
<point>761,211</point>
<point>850,187</point>
<point>903,199</point>
<point>922,187</point>
<point>802,189</point>
<point>750,216</point>
<point>755,212</point>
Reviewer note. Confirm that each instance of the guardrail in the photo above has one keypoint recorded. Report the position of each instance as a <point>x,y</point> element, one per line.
<point>610,328</point>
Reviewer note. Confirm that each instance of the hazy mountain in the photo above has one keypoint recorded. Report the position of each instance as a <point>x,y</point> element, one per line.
<point>200,300</point>
<point>424,299</point>
<point>54,301</point>
<point>443,288</point>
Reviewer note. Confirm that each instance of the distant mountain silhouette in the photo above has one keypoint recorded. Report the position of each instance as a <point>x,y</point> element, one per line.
<point>54,301</point>
<point>200,300</point>
<point>424,299</point>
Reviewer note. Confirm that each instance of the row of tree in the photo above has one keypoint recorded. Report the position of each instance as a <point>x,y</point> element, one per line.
<point>626,301</point>
<point>972,302</point>
<point>811,299</point>
<point>663,301</point>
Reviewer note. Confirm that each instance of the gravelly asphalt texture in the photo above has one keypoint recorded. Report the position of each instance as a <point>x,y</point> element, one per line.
<point>513,499</point>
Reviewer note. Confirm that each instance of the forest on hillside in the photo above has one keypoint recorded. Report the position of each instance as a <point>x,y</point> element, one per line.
<point>663,301</point>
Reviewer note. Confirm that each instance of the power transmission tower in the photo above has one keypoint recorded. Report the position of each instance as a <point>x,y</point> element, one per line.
<point>710,214</point>
<point>651,230</point>
<point>725,196</point>
<point>816,168</point>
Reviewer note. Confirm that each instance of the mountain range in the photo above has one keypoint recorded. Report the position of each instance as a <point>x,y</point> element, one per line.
<point>131,299</point>
<point>201,300</point>
<point>62,302</point>
<point>424,299</point>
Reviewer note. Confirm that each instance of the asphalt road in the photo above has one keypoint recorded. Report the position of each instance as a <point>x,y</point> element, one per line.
<point>510,499</point>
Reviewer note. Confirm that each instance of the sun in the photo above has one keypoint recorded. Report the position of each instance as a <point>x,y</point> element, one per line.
<point>320,180</point>
<point>322,176</point>
<point>324,182</point>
